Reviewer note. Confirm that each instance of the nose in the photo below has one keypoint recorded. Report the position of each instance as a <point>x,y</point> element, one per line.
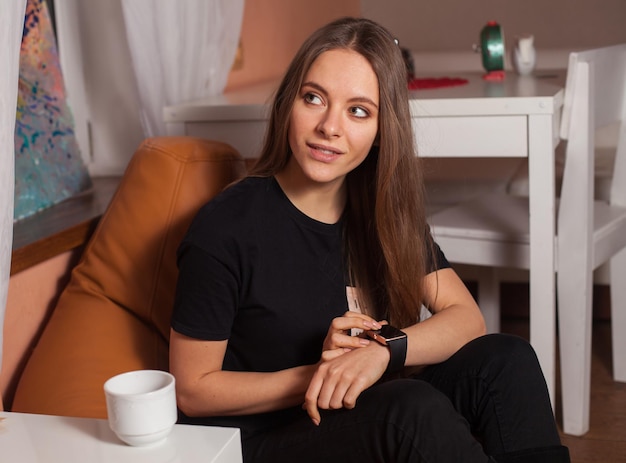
<point>330,124</point>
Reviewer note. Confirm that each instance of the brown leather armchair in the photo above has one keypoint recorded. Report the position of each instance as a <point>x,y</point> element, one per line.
<point>114,314</point>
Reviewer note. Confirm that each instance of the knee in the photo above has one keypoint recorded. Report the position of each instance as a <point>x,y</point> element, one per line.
<point>510,347</point>
<point>509,352</point>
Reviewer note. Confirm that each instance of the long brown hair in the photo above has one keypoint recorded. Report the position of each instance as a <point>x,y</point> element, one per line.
<point>386,236</point>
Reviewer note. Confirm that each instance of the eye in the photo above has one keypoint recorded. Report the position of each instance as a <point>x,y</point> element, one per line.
<point>312,98</point>
<point>359,112</point>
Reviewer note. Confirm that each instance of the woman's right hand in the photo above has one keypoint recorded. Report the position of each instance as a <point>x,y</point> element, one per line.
<point>338,339</point>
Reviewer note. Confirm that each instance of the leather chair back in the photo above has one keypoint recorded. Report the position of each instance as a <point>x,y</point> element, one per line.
<point>114,315</point>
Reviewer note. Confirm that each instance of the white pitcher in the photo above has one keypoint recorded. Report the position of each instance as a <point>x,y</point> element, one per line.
<point>524,55</point>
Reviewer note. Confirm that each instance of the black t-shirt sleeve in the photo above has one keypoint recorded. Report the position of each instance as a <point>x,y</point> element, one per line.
<point>438,261</point>
<point>206,295</point>
<point>435,258</point>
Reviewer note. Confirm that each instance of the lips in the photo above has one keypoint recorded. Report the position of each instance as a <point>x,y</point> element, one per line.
<point>325,150</point>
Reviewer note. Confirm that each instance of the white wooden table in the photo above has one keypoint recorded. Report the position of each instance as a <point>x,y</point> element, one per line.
<point>518,117</point>
<point>31,438</point>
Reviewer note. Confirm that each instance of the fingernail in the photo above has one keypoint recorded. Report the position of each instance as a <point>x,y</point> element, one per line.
<point>369,324</point>
<point>364,342</point>
<point>315,422</point>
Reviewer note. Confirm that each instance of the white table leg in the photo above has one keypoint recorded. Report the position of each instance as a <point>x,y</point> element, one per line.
<point>542,250</point>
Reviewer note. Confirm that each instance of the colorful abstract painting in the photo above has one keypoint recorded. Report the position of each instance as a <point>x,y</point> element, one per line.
<point>48,164</point>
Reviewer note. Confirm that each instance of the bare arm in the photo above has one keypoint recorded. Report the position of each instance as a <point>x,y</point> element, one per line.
<point>203,389</point>
<point>456,321</point>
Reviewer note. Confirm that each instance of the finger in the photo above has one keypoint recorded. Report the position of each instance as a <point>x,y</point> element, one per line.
<point>344,325</point>
<point>340,389</point>
<point>357,386</point>
<point>310,399</point>
<point>338,335</point>
<point>333,390</point>
<point>365,320</point>
<point>336,396</point>
<point>338,341</point>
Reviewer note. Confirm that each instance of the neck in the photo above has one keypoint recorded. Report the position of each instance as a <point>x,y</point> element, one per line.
<point>322,202</point>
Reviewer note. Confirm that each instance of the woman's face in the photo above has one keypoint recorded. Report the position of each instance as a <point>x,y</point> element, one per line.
<point>334,119</point>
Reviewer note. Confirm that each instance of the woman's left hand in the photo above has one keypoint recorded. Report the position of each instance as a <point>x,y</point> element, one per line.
<point>339,381</point>
<point>338,335</point>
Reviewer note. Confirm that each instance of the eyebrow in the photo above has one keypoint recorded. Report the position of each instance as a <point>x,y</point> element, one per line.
<point>356,99</point>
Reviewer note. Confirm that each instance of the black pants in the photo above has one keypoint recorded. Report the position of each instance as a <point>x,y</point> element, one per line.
<point>488,402</point>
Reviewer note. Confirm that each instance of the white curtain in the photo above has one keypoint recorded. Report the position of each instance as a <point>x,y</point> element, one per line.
<point>181,50</point>
<point>11,28</point>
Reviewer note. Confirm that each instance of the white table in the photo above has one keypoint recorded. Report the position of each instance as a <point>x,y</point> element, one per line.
<point>518,117</point>
<point>31,438</point>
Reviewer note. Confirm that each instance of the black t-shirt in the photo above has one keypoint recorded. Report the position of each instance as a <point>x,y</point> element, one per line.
<point>257,272</point>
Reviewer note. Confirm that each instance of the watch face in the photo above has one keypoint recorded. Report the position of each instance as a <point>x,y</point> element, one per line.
<point>386,333</point>
<point>391,332</point>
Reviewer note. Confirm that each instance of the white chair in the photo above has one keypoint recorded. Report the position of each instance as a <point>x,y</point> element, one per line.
<point>589,232</point>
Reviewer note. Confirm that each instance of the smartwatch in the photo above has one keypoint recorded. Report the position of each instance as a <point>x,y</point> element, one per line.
<point>395,340</point>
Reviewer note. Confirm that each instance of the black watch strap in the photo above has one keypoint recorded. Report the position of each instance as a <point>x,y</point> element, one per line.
<point>397,351</point>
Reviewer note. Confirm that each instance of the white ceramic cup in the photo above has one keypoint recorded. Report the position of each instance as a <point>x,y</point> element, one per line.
<point>141,406</point>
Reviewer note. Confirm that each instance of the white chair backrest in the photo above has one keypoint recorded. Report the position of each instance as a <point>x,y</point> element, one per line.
<point>601,104</point>
<point>608,69</point>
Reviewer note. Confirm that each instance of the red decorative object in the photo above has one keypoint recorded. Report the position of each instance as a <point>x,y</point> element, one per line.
<point>423,83</point>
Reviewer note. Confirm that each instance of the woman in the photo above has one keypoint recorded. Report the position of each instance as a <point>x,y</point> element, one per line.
<point>293,280</point>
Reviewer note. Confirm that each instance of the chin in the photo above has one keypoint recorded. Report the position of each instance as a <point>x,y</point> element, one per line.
<point>324,176</point>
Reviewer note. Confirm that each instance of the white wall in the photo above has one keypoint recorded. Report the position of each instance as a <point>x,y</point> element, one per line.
<point>439,25</point>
